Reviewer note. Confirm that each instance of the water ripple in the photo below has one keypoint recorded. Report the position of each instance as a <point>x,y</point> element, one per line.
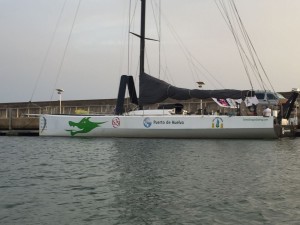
<point>149,181</point>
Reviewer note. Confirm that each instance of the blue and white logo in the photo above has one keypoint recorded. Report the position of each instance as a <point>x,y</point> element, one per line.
<point>147,122</point>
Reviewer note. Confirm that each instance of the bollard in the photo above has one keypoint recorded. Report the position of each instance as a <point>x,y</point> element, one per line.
<point>9,119</point>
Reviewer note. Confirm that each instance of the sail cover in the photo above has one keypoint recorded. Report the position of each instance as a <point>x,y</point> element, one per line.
<point>153,90</point>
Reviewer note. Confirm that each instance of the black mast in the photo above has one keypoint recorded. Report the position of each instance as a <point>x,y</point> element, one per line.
<point>142,40</point>
<point>142,36</point>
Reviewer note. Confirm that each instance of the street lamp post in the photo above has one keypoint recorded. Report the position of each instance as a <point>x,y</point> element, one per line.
<point>200,84</point>
<point>59,92</point>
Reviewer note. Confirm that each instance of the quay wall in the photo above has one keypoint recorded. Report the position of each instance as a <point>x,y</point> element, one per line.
<point>30,123</point>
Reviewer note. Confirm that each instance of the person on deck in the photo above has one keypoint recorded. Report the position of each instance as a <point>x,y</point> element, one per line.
<point>267,112</point>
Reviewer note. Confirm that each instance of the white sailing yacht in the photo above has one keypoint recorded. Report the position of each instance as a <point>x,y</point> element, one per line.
<point>165,122</point>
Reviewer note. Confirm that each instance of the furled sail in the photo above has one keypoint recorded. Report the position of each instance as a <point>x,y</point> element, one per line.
<point>153,90</point>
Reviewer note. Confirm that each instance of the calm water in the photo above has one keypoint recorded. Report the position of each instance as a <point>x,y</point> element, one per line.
<point>148,181</point>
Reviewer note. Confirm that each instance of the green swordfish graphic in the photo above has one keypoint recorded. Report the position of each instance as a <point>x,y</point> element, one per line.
<point>85,126</point>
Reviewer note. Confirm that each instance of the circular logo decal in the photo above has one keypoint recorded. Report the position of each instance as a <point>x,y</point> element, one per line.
<point>147,122</point>
<point>217,122</point>
<point>116,122</point>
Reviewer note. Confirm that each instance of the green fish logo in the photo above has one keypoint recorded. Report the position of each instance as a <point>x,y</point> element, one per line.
<point>85,126</point>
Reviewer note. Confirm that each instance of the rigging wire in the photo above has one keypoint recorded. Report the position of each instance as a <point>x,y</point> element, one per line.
<point>131,46</point>
<point>181,45</point>
<point>226,17</point>
<point>167,73</point>
<point>159,38</point>
<point>158,28</point>
<point>147,60</point>
<point>130,20</point>
<point>125,41</point>
<point>128,43</point>
<point>206,70</point>
<point>231,16</point>
<point>48,51</point>
<point>246,39</point>
<point>65,50</point>
<point>254,50</point>
<point>192,61</point>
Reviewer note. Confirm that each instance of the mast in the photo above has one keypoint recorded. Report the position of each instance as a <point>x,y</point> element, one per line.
<point>142,36</point>
<point>142,42</point>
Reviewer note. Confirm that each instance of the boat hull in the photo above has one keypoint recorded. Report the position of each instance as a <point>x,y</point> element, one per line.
<point>177,126</point>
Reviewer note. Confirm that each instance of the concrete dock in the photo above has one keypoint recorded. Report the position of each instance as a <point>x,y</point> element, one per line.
<point>26,126</point>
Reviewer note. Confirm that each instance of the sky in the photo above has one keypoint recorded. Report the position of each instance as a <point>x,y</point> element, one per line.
<point>40,50</point>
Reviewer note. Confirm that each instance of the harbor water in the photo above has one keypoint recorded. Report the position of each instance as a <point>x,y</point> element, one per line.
<point>149,181</point>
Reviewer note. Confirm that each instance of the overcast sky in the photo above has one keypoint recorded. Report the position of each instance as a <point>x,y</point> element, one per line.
<point>96,55</point>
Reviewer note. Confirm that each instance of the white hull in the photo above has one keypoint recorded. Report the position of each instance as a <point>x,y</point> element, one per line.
<point>170,126</point>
